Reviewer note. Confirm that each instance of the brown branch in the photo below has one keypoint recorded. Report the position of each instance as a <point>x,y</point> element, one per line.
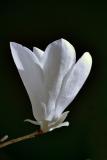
<point>19,139</point>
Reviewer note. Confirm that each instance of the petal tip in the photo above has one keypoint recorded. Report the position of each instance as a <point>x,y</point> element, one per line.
<point>14,44</point>
<point>15,54</point>
<point>87,58</point>
<point>67,123</point>
<point>62,39</point>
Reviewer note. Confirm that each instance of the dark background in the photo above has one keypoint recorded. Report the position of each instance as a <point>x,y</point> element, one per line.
<point>38,24</point>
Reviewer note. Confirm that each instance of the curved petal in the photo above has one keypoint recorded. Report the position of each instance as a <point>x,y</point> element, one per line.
<point>40,55</point>
<point>63,117</point>
<point>73,82</point>
<point>32,121</point>
<point>32,77</point>
<point>60,57</point>
<point>38,52</point>
<point>59,120</point>
<point>60,125</point>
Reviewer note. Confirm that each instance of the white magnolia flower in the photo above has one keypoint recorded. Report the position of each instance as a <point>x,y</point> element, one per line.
<point>52,79</point>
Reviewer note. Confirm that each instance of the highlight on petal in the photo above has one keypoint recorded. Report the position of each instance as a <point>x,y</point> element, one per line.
<point>73,82</point>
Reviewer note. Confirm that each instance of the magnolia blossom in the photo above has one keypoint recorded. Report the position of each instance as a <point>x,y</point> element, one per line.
<point>52,79</point>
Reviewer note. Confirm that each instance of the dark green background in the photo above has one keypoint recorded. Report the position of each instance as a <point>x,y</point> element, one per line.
<point>38,24</point>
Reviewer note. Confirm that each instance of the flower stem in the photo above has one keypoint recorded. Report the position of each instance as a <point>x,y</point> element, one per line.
<point>19,139</point>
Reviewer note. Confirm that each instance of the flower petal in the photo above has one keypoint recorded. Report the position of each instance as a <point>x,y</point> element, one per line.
<point>63,116</point>
<point>60,57</point>
<point>32,121</point>
<point>40,55</point>
<point>32,77</point>
<point>59,120</point>
<point>73,82</point>
<point>60,125</point>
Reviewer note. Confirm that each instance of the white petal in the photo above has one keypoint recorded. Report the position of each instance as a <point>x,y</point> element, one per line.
<point>38,52</point>
<point>32,77</point>
<point>63,116</point>
<point>59,120</point>
<point>60,125</point>
<point>60,58</point>
<point>32,121</point>
<point>73,82</point>
<point>40,55</point>
<point>17,60</point>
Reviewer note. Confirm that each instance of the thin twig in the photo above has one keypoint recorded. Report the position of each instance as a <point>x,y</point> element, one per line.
<point>19,139</point>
